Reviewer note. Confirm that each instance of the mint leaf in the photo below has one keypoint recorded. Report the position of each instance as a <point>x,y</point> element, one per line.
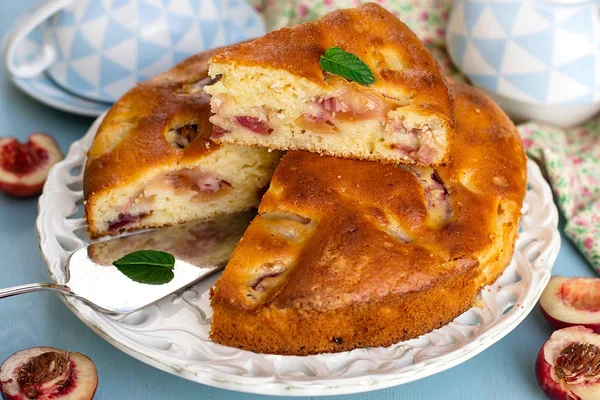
<point>147,266</point>
<point>339,62</point>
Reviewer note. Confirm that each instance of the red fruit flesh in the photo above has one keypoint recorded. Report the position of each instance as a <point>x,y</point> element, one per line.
<point>21,159</point>
<point>255,125</point>
<point>572,301</point>
<point>582,293</point>
<point>568,365</point>
<point>543,372</point>
<point>24,167</point>
<point>218,132</point>
<point>46,373</point>
<point>124,219</point>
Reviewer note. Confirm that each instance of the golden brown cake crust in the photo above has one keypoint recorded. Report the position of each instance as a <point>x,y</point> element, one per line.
<point>350,253</point>
<point>298,49</point>
<point>142,116</point>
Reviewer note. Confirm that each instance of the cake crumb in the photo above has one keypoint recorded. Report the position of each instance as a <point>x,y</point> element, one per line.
<point>479,303</point>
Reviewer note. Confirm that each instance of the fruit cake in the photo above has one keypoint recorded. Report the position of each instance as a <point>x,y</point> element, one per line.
<point>349,253</point>
<point>273,92</point>
<point>153,164</point>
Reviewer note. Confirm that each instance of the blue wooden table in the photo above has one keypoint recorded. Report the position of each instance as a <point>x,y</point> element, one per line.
<point>506,370</point>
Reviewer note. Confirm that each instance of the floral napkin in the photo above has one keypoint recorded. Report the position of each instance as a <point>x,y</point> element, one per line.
<point>570,157</point>
<point>427,18</point>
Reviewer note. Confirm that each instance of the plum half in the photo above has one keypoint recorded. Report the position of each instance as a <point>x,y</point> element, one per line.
<point>572,301</point>
<point>24,167</point>
<point>45,373</point>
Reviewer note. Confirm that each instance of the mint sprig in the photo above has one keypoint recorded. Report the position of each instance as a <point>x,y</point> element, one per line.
<point>340,62</point>
<point>147,266</point>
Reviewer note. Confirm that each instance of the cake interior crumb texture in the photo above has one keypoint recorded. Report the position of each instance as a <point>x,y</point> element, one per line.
<point>152,162</point>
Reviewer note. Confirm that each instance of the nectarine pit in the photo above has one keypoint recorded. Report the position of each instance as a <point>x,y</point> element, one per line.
<point>44,368</point>
<point>578,363</point>
<point>22,158</point>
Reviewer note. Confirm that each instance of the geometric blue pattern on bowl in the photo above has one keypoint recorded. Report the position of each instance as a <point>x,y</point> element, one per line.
<point>103,48</point>
<point>45,90</point>
<point>114,45</point>
<point>532,51</point>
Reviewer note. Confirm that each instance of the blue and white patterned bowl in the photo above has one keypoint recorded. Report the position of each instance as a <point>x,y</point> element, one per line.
<point>531,52</point>
<point>100,49</point>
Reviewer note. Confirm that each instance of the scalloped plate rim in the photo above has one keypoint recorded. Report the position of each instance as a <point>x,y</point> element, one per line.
<point>333,386</point>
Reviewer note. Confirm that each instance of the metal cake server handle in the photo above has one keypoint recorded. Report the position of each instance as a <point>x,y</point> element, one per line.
<point>35,287</point>
<point>200,249</point>
<point>48,286</point>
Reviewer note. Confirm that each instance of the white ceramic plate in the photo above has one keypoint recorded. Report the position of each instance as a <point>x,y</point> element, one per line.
<point>173,334</point>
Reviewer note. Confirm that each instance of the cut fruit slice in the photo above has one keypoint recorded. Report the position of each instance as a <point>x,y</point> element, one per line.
<point>48,373</point>
<point>272,92</point>
<point>568,365</point>
<point>24,167</point>
<point>153,164</point>
<point>572,301</point>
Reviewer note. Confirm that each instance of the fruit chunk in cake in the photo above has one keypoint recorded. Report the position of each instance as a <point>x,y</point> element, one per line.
<point>349,253</point>
<point>152,162</point>
<point>272,92</point>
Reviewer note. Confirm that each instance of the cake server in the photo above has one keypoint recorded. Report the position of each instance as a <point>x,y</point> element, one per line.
<point>200,249</point>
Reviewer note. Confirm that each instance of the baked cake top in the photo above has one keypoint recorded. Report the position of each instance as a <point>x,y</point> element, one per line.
<point>161,121</point>
<point>402,66</point>
<point>332,232</point>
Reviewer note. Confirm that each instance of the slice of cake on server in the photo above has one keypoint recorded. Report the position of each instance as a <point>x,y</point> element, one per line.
<point>152,162</point>
<point>276,92</point>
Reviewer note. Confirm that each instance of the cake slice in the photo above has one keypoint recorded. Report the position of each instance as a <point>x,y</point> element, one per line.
<point>203,242</point>
<point>272,92</point>
<point>350,253</point>
<point>153,164</point>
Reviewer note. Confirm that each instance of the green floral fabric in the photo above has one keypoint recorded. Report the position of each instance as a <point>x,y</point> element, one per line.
<point>570,157</point>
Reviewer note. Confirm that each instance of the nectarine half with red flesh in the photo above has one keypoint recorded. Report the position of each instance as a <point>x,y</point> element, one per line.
<point>45,373</point>
<point>568,365</point>
<point>24,167</point>
<point>572,301</point>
